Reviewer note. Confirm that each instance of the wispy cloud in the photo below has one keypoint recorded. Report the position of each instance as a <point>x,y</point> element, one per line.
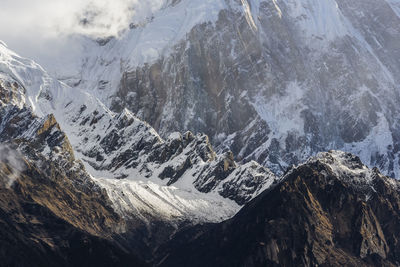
<point>28,24</point>
<point>89,17</point>
<point>13,159</point>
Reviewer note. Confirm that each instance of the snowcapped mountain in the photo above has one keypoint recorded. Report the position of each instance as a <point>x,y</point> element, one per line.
<point>274,81</point>
<point>178,180</point>
<point>204,125</point>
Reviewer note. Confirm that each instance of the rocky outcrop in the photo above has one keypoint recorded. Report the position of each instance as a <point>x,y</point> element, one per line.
<point>330,211</point>
<point>10,91</point>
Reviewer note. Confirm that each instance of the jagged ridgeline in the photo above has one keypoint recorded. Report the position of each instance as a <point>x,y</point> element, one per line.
<point>172,147</point>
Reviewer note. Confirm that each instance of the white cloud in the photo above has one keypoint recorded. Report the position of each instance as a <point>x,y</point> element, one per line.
<point>29,26</point>
<point>13,159</point>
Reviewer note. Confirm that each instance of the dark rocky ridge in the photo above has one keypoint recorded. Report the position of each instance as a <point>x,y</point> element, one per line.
<point>313,217</point>
<point>46,221</point>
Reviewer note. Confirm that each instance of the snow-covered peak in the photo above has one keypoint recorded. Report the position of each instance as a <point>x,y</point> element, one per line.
<point>351,171</point>
<point>25,72</point>
<point>346,166</point>
<point>337,169</point>
<point>44,94</point>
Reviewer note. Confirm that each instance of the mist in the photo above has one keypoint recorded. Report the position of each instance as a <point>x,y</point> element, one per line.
<point>44,28</point>
<point>13,159</point>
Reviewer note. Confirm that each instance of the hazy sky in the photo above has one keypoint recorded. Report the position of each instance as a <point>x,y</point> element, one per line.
<point>32,27</point>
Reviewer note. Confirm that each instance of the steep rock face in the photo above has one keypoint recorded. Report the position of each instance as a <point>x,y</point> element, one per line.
<point>330,211</point>
<point>273,81</point>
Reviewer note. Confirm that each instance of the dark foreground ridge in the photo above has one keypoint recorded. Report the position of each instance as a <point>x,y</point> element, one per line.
<point>46,221</point>
<point>330,211</point>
